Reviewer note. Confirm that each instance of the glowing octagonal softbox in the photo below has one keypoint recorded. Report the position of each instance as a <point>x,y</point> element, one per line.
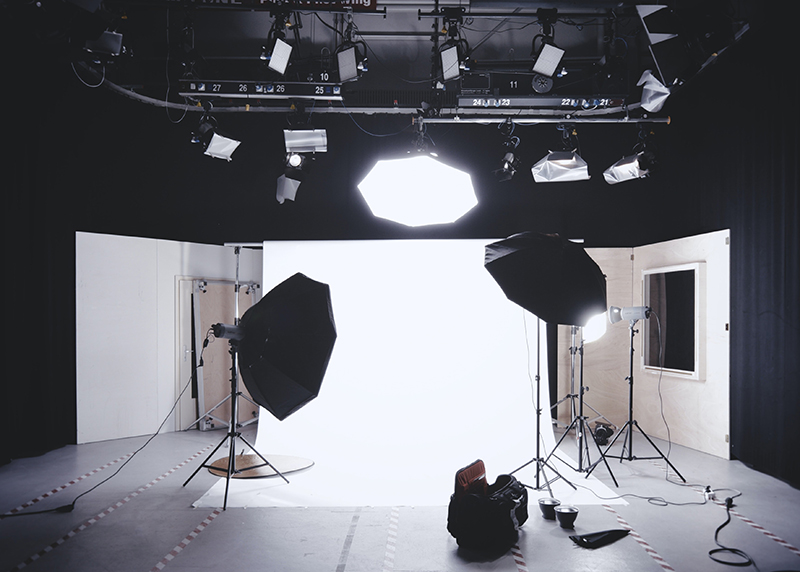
<point>418,191</point>
<point>289,337</point>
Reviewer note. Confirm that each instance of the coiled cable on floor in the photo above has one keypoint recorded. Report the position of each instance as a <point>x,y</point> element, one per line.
<point>746,560</point>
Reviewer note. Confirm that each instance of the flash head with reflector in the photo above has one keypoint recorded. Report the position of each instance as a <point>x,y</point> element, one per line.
<point>630,313</point>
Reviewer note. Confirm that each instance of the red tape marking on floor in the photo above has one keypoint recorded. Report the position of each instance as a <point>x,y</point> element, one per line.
<point>105,513</point>
<point>391,540</point>
<point>649,549</point>
<point>185,542</point>
<point>65,485</point>
<point>758,527</point>
<point>763,530</point>
<point>519,559</point>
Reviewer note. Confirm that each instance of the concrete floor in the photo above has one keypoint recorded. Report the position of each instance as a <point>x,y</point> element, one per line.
<point>142,520</point>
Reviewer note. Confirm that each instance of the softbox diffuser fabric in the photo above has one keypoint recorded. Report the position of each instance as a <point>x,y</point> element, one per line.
<point>289,337</point>
<point>549,276</point>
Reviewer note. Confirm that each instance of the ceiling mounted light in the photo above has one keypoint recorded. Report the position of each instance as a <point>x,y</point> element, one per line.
<point>564,165</point>
<point>305,140</point>
<point>298,143</point>
<point>654,93</point>
<point>548,56</point>
<point>454,53</point>
<point>214,144</point>
<point>510,161</point>
<point>348,56</point>
<point>279,60</point>
<point>107,43</point>
<point>418,191</point>
<point>221,147</point>
<point>346,60</point>
<point>548,59</point>
<point>635,166</point>
<point>276,51</point>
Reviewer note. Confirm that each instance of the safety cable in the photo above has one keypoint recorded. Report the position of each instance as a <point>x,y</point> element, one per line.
<point>71,506</point>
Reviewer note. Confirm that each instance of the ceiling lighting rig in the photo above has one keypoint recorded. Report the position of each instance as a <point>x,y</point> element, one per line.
<point>489,61</point>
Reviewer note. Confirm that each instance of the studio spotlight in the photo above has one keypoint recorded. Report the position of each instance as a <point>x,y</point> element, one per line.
<point>349,58</point>
<point>631,313</point>
<point>508,167</point>
<point>548,59</point>
<point>454,53</point>
<point>107,43</point>
<point>563,165</point>
<point>548,56</point>
<point>276,52</point>
<point>510,162</point>
<point>305,140</point>
<point>625,169</point>
<point>347,61</point>
<point>215,145</point>
<point>635,166</point>
<point>281,52</point>
<point>298,143</point>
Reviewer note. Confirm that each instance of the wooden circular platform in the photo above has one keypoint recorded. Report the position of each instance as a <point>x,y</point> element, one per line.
<point>243,463</point>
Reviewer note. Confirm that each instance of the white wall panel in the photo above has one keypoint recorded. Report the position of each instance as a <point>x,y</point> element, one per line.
<point>126,320</point>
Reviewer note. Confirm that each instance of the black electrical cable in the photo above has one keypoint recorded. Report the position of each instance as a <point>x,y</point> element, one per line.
<point>746,560</point>
<point>71,506</point>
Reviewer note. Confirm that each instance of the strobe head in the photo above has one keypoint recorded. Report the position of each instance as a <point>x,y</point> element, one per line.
<point>630,313</point>
<point>227,331</point>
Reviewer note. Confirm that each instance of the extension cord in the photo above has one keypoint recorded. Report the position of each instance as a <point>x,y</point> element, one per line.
<point>709,493</point>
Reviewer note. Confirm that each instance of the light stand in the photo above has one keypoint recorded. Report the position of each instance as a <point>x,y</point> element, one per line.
<point>572,396</point>
<point>631,423</point>
<point>234,334</point>
<point>541,462</point>
<point>208,414</point>
<point>580,424</point>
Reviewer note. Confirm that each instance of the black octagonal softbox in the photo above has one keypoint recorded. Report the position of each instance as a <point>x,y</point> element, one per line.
<point>288,341</point>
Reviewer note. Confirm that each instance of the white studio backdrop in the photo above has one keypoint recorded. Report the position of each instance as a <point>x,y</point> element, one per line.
<point>433,368</point>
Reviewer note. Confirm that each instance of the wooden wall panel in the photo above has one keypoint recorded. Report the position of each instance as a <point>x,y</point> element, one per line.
<point>697,411</point>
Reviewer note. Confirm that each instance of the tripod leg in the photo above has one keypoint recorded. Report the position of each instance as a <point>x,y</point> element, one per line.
<point>273,467</point>
<point>602,457</point>
<point>625,428</point>
<point>204,463</point>
<point>566,432</point>
<point>231,468</point>
<point>659,451</point>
